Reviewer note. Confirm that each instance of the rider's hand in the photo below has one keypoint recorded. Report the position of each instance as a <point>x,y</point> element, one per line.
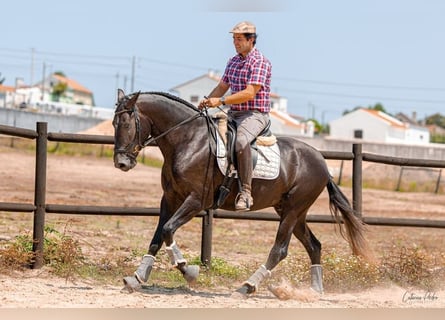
<point>203,104</point>
<point>210,103</point>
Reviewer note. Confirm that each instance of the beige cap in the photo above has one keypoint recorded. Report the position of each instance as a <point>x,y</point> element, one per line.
<point>244,27</point>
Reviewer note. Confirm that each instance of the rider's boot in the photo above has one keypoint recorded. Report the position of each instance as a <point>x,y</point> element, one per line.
<point>244,200</point>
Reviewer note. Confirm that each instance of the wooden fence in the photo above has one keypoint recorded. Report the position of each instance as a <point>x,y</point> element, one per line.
<point>39,208</point>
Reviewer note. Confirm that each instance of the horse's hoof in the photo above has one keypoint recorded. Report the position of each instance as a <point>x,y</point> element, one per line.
<point>244,291</point>
<point>238,295</point>
<point>132,284</point>
<point>317,290</point>
<point>191,273</point>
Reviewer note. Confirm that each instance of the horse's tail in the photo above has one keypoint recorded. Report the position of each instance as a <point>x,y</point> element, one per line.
<point>355,228</point>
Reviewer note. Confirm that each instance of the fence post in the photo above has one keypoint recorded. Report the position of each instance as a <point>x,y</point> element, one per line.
<point>340,174</point>
<point>40,194</point>
<point>357,179</point>
<point>206,238</point>
<point>438,182</point>
<point>399,181</point>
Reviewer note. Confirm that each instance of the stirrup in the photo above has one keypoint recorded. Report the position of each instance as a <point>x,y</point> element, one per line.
<point>243,201</point>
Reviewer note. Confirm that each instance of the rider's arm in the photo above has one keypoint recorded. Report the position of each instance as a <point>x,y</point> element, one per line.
<point>216,94</point>
<point>219,90</point>
<point>214,99</point>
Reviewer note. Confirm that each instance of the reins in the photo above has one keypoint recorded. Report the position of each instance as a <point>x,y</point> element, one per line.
<point>153,139</point>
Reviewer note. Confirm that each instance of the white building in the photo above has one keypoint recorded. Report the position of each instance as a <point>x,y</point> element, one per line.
<point>76,100</point>
<point>282,123</point>
<point>6,96</point>
<point>376,126</point>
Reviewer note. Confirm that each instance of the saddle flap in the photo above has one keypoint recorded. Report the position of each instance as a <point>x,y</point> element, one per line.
<point>268,162</point>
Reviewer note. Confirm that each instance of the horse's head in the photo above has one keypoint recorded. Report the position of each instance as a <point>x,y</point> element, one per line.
<point>127,131</point>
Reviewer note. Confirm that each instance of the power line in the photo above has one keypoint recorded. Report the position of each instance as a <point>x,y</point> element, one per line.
<point>363,97</point>
<point>358,85</point>
<point>88,56</point>
<point>173,64</point>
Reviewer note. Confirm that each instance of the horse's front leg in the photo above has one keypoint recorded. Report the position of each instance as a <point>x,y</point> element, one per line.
<point>142,273</point>
<point>189,208</point>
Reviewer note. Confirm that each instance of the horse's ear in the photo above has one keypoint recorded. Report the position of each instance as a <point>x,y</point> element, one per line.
<point>120,95</point>
<point>133,99</point>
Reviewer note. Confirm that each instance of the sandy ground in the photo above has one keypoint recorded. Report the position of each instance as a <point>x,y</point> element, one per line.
<point>93,181</point>
<point>35,289</point>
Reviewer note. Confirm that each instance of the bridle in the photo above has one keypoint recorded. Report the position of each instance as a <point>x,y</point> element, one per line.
<point>140,144</point>
<point>135,146</point>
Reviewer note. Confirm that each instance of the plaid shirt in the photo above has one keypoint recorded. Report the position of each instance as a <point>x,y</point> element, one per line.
<point>254,69</point>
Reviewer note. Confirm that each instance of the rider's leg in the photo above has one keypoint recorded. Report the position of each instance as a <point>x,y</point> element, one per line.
<point>249,125</point>
<point>244,158</point>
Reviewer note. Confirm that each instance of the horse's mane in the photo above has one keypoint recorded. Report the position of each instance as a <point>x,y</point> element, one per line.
<point>171,97</point>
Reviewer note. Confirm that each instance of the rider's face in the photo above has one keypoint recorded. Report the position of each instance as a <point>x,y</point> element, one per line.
<point>242,45</point>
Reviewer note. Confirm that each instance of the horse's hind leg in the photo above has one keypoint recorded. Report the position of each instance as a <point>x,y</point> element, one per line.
<point>313,248</point>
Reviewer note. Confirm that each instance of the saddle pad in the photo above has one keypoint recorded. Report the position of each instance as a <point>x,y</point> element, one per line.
<point>267,166</point>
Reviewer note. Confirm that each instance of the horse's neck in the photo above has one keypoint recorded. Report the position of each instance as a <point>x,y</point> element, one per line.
<point>163,117</point>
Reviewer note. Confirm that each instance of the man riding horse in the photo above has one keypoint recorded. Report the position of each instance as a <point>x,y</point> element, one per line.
<point>248,76</point>
<point>182,131</point>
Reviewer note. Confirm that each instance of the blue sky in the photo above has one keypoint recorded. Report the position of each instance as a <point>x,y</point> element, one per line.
<point>327,56</point>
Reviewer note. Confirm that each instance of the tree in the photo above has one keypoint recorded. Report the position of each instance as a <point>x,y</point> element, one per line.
<point>437,119</point>
<point>59,89</point>
<point>378,106</point>
<point>318,128</point>
<point>1,79</point>
<point>60,73</point>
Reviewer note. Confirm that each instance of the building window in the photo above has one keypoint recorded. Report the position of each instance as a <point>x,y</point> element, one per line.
<point>194,98</point>
<point>358,134</point>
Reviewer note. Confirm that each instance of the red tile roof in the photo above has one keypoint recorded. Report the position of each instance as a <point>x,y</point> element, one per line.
<point>6,88</point>
<point>285,118</point>
<point>385,117</point>
<point>72,84</point>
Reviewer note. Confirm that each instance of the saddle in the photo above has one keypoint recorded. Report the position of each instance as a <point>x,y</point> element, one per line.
<point>265,167</point>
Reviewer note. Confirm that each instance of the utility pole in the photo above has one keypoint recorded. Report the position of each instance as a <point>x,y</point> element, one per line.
<point>43,82</point>
<point>311,108</point>
<point>133,66</point>
<point>117,80</point>
<point>31,79</point>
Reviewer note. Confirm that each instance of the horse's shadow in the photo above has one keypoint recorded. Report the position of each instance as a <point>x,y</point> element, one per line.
<point>183,290</point>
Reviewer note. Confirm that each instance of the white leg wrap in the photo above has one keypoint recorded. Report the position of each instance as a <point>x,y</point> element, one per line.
<point>175,255</point>
<point>143,271</point>
<point>259,275</point>
<point>317,278</point>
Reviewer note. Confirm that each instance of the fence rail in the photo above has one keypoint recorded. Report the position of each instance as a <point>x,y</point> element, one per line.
<point>40,207</point>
